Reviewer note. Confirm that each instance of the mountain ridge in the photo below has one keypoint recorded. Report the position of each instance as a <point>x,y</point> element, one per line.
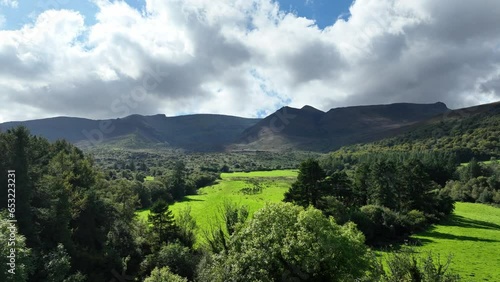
<point>306,128</point>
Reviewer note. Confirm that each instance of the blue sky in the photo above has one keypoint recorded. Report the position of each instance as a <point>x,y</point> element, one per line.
<point>324,12</point>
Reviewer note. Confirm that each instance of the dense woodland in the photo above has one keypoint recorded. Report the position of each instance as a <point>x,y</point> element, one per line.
<point>76,220</point>
<point>468,133</point>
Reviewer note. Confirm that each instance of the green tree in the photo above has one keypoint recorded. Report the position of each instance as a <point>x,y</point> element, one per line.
<point>187,227</point>
<point>163,223</point>
<point>309,187</point>
<point>179,259</point>
<point>163,275</point>
<point>230,218</point>
<point>23,259</point>
<point>383,184</point>
<point>20,140</point>
<point>406,266</point>
<point>284,242</point>
<point>177,183</point>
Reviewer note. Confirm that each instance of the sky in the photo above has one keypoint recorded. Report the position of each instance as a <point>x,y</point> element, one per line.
<point>106,59</point>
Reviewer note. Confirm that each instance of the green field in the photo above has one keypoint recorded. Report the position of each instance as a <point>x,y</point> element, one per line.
<point>205,205</point>
<point>149,178</point>
<point>472,236</point>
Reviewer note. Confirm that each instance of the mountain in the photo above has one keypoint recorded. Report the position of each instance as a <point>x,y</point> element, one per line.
<point>288,128</point>
<point>202,132</point>
<point>468,132</point>
<point>311,129</point>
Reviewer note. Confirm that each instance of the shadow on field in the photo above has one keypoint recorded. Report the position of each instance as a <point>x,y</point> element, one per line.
<point>460,221</point>
<point>438,235</point>
<point>186,199</point>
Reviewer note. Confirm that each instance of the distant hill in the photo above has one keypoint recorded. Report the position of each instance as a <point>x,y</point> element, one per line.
<point>311,129</point>
<point>202,132</point>
<point>289,128</point>
<point>468,132</point>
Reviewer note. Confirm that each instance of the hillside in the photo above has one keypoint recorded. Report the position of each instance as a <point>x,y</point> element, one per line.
<point>201,132</point>
<point>307,129</point>
<point>311,129</point>
<point>469,132</point>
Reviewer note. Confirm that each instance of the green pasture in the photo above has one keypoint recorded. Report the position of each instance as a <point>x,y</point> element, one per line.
<point>472,237</point>
<point>205,207</point>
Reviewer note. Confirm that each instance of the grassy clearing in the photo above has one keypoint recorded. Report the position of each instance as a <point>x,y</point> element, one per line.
<point>149,178</point>
<point>205,206</point>
<point>472,236</point>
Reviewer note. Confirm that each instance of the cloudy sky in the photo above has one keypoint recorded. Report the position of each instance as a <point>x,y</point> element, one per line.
<point>103,59</point>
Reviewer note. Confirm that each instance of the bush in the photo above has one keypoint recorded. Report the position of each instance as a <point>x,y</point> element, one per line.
<point>164,274</point>
<point>179,260</point>
<point>415,221</point>
<point>284,242</point>
<point>406,266</point>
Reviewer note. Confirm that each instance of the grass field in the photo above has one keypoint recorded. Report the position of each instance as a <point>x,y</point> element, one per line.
<point>205,205</point>
<point>149,178</point>
<point>472,236</point>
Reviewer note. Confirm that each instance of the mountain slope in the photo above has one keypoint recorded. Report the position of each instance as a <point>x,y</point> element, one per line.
<point>312,129</point>
<point>191,132</point>
<point>287,129</point>
<point>468,132</point>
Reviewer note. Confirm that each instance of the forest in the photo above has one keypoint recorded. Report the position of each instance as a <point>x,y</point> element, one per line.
<point>76,220</point>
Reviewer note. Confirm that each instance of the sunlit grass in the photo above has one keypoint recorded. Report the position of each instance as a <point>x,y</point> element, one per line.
<point>149,178</point>
<point>472,236</point>
<point>206,205</point>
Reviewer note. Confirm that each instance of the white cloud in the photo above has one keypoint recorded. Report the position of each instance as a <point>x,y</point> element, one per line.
<point>9,3</point>
<point>244,56</point>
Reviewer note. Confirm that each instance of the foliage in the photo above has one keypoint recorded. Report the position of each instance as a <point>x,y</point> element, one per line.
<point>255,187</point>
<point>387,196</point>
<point>479,183</point>
<point>187,227</point>
<point>180,259</point>
<point>467,134</point>
<point>231,218</point>
<point>164,274</point>
<point>406,266</point>
<point>285,242</point>
<point>309,187</point>
<point>23,259</point>
<point>162,221</point>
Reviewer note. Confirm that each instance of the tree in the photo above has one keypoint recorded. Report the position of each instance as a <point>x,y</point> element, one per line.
<point>309,187</point>
<point>383,183</point>
<point>179,259</point>
<point>162,219</point>
<point>473,170</point>
<point>24,187</point>
<point>163,275</point>
<point>285,242</point>
<point>23,258</point>
<point>57,264</point>
<point>177,183</point>
<point>187,227</point>
<point>406,266</point>
<point>230,218</point>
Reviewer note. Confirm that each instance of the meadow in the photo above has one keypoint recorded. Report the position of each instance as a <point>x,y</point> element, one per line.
<point>205,207</point>
<point>472,236</point>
